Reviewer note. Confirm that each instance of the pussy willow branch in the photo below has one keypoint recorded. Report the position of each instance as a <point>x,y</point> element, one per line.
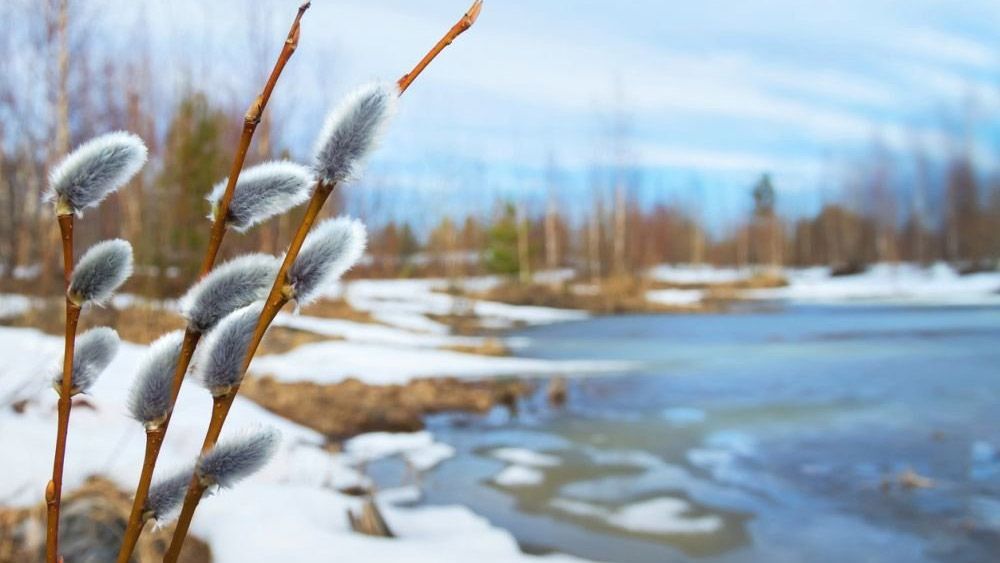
<point>53,491</point>
<point>155,436</point>
<point>463,24</point>
<point>280,295</point>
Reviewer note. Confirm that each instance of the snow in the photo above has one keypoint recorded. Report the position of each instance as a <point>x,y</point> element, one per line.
<point>675,297</point>
<point>12,305</point>
<point>693,274</point>
<point>372,333</point>
<point>291,507</point>
<point>418,448</point>
<point>298,522</point>
<point>519,476</point>
<point>887,284</point>
<point>662,515</point>
<point>403,302</point>
<point>330,362</point>
<point>524,456</point>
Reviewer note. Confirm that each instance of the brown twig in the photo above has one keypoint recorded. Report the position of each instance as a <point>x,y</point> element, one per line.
<point>155,436</point>
<point>463,24</point>
<point>279,296</point>
<point>53,491</point>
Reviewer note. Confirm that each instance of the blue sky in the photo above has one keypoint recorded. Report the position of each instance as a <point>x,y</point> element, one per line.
<point>713,92</point>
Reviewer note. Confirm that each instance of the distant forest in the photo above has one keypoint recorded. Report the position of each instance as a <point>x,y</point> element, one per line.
<point>887,207</point>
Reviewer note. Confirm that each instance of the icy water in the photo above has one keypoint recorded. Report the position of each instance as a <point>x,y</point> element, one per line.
<point>758,436</point>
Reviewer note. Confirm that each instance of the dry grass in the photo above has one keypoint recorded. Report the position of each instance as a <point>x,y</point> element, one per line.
<point>345,409</point>
<point>94,518</point>
<point>624,294</point>
<point>280,340</point>
<point>489,347</point>
<point>141,323</point>
<point>337,309</point>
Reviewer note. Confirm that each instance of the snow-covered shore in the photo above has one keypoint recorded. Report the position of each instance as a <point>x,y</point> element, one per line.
<point>296,494</point>
<point>882,284</point>
<point>905,284</point>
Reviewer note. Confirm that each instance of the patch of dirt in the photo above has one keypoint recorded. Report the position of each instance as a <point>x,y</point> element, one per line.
<point>351,407</point>
<point>337,309</point>
<point>279,340</point>
<point>489,347</point>
<point>91,528</point>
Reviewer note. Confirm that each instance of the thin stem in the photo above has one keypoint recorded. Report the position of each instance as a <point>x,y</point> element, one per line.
<point>191,498</point>
<point>53,491</point>
<point>191,338</point>
<point>250,121</point>
<point>136,521</point>
<point>278,297</point>
<point>463,24</point>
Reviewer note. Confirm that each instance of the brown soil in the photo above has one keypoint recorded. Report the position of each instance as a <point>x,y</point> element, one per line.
<point>345,409</point>
<point>92,524</point>
<point>337,309</point>
<point>279,340</point>
<point>489,347</point>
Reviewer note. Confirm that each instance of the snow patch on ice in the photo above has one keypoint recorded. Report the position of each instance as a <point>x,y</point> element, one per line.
<point>662,515</point>
<point>519,476</point>
<point>523,456</point>
<point>418,448</point>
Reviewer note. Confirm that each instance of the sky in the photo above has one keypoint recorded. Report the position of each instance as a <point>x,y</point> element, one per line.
<point>708,94</point>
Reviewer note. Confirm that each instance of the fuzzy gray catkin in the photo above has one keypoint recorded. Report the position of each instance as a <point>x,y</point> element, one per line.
<point>237,458</point>
<point>329,251</point>
<point>93,352</point>
<point>149,398</point>
<point>220,362</point>
<point>94,170</point>
<point>232,285</point>
<point>165,496</point>
<point>100,271</point>
<point>352,130</point>
<point>262,192</point>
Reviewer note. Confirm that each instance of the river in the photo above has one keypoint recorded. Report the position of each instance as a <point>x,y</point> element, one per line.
<point>850,433</point>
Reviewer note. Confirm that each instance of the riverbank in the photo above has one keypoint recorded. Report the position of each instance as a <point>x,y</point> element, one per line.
<point>387,355</point>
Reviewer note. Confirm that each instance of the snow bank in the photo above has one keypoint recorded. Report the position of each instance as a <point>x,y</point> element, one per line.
<point>330,362</point>
<point>12,305</point>
<point>404,302</point>
<point>290,511</point>
<point>689,274</point>
<point>372,333</point>
<point>675,297</point>
<point>887,283</point>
